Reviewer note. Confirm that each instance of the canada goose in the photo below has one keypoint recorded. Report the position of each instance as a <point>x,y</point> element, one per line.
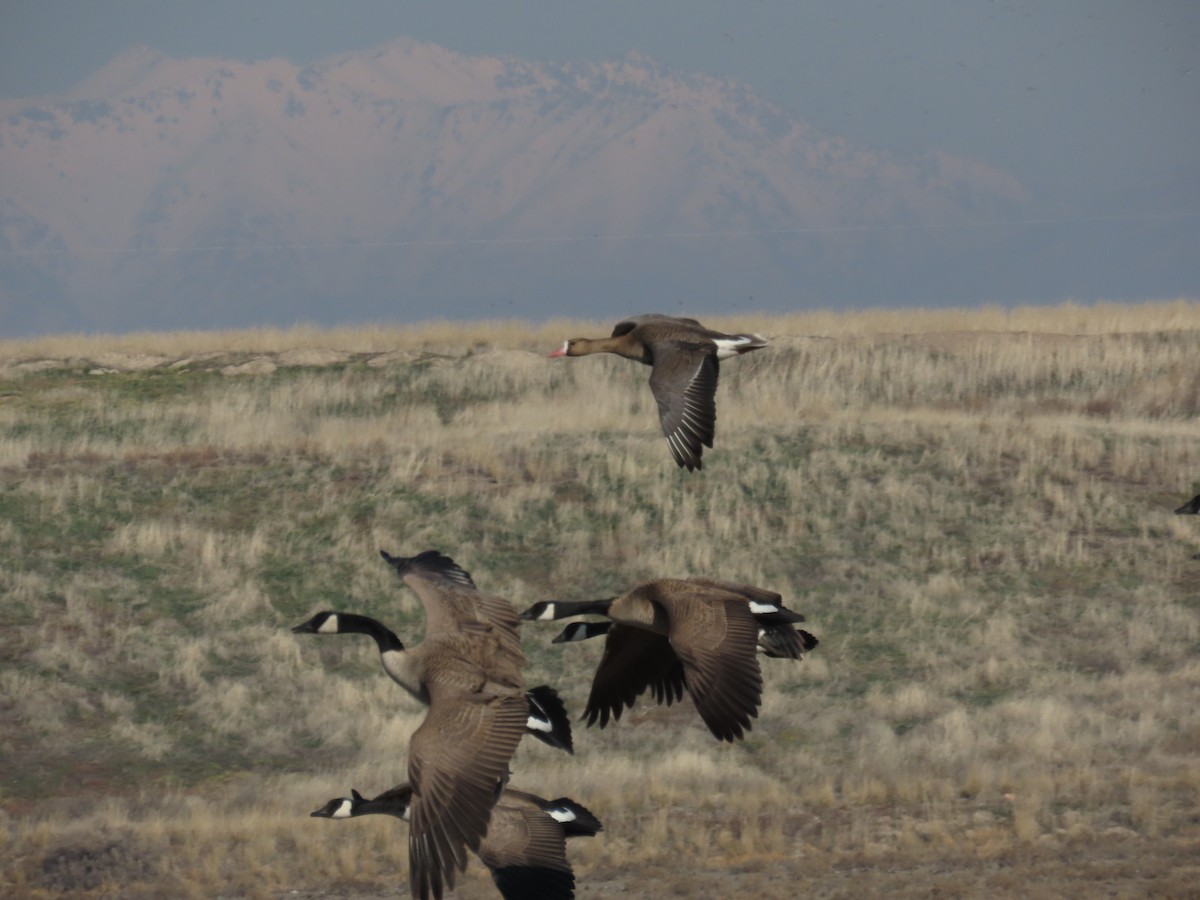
<point>684,358</point>
<point>672,635</point>
<point>467,670</point>
<point>1191,508</point>
<point>525,844</point>
<point>547,721</point>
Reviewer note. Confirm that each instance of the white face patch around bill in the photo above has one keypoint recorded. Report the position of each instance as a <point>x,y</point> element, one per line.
<point>329,626</point>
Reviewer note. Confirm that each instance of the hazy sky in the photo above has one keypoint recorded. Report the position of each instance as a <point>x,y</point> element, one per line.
<point>1083,100</point>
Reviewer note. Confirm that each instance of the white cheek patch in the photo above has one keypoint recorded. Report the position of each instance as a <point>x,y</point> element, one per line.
<point>329,626</point>
<point>533,723</point>
<point>561,814</point>
<point>762,608</point>
<point>343,811</point>
<point>547,614</point>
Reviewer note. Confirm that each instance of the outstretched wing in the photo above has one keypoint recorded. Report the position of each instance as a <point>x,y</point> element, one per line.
<point>451,600</point>
<point>634,659</point>
<point>717,642</point>
<point>458,761</point>
<point>684,384</point>
<point>627,325</point>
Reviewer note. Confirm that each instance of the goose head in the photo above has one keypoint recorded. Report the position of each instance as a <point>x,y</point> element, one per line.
<point>542,611</point>
<point>575,347</point>
<point>337,808</point>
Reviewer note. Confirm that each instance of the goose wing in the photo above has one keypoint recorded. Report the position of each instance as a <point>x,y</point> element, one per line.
<point>749,591</point>
<point>684,383</point>
<point>627,325</point>
<point>458,760</point>
<point>634,659</point>
<point>451,600</point>
<point>525,849</point>
<point>716,640</point>
<point>764,603</point>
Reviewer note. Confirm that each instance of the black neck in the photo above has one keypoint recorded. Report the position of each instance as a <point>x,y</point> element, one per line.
<point>564,608</point>
<point>385,638</point>
<point>393,802</point>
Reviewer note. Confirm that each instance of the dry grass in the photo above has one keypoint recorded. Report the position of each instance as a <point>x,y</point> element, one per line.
<point>973,509</point>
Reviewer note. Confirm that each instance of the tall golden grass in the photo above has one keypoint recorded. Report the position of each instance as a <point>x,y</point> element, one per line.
<point>972,507</point>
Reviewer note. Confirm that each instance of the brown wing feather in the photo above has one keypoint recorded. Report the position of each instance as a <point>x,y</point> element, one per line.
<point>522,834</point>
<point>684,384</point>
<point>458,759</point>
<point>458,608</point>
<point>749,591</point>
<point>665,322</point>
<point>633,660</point>
<point>717,640</point>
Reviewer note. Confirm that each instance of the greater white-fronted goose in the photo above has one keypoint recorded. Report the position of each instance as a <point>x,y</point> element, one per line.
<point>525,846</point>
<point>684,358</point>
<point>1191,508</point>
<point>468,671</point>
<point>672,635</point>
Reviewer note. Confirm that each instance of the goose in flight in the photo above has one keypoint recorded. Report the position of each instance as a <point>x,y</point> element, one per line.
<point>525,845</point>
<point>683,356</point>
<point>696,635</point>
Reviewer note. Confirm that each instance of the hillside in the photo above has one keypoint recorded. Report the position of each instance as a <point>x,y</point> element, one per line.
<point>973,509</point>
<point>176,193</point>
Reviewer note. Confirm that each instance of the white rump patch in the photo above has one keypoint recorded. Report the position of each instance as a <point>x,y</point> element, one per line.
<point>761,608</point>
<point>329,626</point>
<point>727,347</point>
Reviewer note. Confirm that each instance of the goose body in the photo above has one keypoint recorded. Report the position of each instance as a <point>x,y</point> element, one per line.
<point>683,356</point>
<point>547,719</point>
<point>467,670</point>
<point>675,635</point>
<point>525,845</point>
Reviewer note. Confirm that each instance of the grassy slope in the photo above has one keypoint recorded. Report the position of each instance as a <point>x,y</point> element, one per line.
<point>972,509</point>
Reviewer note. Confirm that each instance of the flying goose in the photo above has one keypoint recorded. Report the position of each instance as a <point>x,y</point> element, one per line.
<point>467,670</point>
<point>547,720</point>
<point>672,635</point>
<point>525,845</point>
<point>1191,508</point>
<point>683,356</point>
